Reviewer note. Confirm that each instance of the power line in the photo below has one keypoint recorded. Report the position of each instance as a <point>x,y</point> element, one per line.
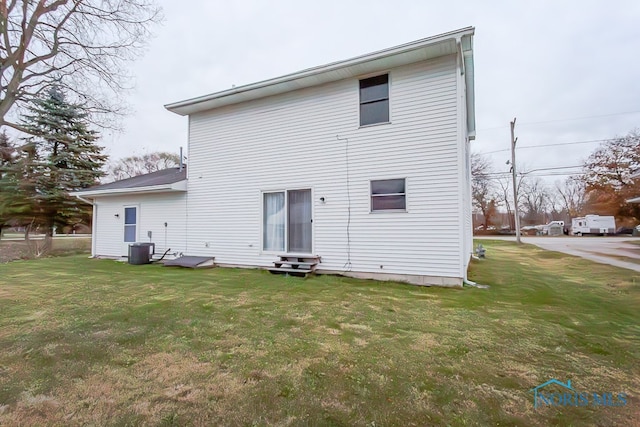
<point>558,174</point>
<point>552,168</point>
<point>506,174</point>
<point>565,120</point>
<point>551,145</point>
<point>551,171</point>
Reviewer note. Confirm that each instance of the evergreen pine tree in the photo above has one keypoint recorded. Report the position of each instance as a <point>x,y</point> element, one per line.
<point>6,151</point>
<point>7,159</point>
<point>18,187</point>
<point>61,157</point>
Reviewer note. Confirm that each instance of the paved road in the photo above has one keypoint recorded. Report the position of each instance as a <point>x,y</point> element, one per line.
<point>605,250</point>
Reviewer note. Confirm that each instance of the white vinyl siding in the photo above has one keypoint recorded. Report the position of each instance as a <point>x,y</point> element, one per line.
<point>309,138</point>
<point>153,211</point>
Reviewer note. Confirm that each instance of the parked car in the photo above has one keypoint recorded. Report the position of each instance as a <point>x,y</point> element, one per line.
<point>531,230</point>
<point>546,227</point>
<point>624,230</point>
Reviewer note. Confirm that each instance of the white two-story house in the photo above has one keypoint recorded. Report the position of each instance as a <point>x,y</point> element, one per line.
<point>362,163</point>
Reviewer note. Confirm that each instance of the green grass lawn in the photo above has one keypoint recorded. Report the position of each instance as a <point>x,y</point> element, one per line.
<point>96,342</point>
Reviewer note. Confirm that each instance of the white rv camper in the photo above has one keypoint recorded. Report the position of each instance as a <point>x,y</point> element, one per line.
<point>593,224</point>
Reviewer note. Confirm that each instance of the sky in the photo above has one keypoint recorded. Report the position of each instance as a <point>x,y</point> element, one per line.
<point>568,71</point>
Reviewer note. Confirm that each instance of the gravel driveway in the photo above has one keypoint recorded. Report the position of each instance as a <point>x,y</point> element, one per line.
<point>616,251</point>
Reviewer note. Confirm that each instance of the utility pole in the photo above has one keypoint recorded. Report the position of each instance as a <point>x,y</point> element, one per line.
<point>515,188</point>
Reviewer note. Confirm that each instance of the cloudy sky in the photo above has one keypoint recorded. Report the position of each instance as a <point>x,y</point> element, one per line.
<point>568,70</point>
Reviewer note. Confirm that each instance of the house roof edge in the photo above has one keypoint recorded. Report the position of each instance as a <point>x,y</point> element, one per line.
<point>178,186</point>
<point>284,83</point>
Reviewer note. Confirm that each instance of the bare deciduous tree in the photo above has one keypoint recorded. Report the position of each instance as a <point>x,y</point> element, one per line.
<point>503,195</point>
<point>129,167</point>
<point>482,193</point>
<point>571,196</point>
<point>80,46</point>
<point>535,198</point>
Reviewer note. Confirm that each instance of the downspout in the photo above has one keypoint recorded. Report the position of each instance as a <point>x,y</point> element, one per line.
<point>83,199</point>
<point>94,222</point>
<point>462,134</point>
<point>474,284</point>
<point>467,136</point>
<point>460,54</point>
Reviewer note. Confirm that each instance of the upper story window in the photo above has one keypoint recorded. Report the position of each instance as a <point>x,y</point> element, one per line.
<point>388,195</point>
<point>374,100</point>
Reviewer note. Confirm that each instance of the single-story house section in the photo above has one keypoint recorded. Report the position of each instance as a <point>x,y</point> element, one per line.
<point>146,208</point>
<point>362,164</point>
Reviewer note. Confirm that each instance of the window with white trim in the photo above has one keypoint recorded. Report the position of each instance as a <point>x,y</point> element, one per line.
<point>130,224</point>
<point>388,195</point>
<point>374,100</point>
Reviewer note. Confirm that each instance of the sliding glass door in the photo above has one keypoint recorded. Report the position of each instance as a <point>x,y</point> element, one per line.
<point>287,221</point>
<point>299,218</point>
<point>273,222</point>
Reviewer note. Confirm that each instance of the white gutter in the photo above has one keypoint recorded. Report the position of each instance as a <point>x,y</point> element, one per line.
<point>83,199</point>
<point>176,186</point>
<point>466,50</point>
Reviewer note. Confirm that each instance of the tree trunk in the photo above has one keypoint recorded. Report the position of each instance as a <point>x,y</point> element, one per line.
<point>27,230</point>
<point>35,248</point>
<point>486,210</point>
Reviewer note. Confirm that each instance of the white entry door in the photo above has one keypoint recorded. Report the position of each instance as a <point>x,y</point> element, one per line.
<point>130,231</point>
